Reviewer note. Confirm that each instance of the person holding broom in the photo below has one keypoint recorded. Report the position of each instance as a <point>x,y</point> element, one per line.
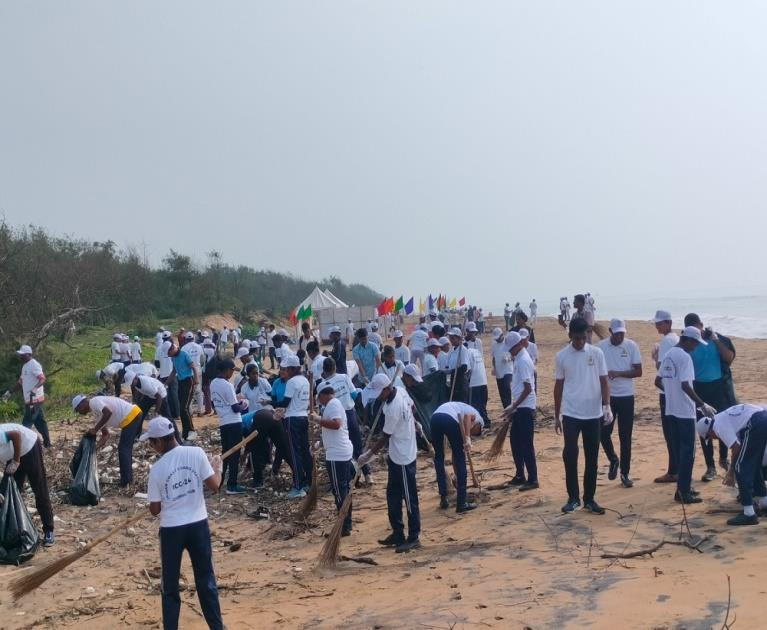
<point>338,447</point>
<point>176,494</point>
<point>399,433</point>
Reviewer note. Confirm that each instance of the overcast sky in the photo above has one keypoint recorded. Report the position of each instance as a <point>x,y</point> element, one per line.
<point>497,150</point>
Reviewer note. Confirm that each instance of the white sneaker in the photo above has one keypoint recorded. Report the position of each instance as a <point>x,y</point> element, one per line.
<point>192,436</point>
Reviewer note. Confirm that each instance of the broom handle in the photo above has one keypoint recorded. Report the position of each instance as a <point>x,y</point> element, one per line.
<point>467,450</point>
<point>133,519</point>
<point>455,373</point>
<point>238,446</point>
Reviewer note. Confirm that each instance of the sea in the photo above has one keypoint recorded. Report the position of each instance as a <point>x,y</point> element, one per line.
<point>742,316</point>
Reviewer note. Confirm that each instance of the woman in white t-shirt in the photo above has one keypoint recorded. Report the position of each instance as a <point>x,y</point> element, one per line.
<point>338,448</point>
<point>229,410</point>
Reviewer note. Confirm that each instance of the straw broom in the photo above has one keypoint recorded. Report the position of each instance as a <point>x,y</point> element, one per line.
<point>329,552</point>
<point>496,448</point>
<point>310,500</point>
<point>467,450</point>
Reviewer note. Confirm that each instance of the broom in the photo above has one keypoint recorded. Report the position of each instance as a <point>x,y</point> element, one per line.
<point>310,500</point>
<point>241,444</point>
<point>467,450</point>
<point>329,552</point>
<point>31,580</point>
<point>496,448</point>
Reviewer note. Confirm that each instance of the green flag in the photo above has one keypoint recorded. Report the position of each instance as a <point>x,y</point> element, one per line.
<point>307,313</point>
<point>399,305</point>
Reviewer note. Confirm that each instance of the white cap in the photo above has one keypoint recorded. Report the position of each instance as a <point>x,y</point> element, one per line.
<point>206,334</point>
<point>282,332</point>
<point>374,326</point>
<point>166,334</point>
<point>373,389</point>
<point>691,332</point>
<point>136,338</point>
<point>435,323</point>
<point>159,427</point>
<point>423,327</point>
<point>334,329</point>
<point>398,334</point>
<point>471,327</point>
<point>662,316</point>
<point>77,400</point>
<point>617,326</point>
<point>444,341</point>
<point>243,352</point>
<point>433,312</point>
<point>117,336</point>
<point>454,332</point>
<point>433,342</point>
<point>411,369</point>
<point>512,339</point>
<point>497,332</point>
<point>208,342</point>
<point>703,426</point>
<point>524,333</point>
<point>290,361</point>
<point>189,336</point>
<point>24,350</point>
<point>325,385</point>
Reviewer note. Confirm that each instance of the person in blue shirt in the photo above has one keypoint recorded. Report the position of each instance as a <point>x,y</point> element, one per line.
<point>713,383</point>
<point>186,377</point>
<point>367,356</point>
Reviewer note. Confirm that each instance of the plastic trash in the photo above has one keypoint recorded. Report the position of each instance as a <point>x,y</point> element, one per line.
<point>19,538</point>
<point>85,489</point>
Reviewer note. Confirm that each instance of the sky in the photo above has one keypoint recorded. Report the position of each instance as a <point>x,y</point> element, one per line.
<point>492,150</point>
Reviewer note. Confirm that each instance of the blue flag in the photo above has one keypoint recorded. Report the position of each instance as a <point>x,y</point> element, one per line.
<point>409,307</point>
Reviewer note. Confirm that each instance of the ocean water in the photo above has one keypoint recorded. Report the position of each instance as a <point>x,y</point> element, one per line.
<point>742,316</point>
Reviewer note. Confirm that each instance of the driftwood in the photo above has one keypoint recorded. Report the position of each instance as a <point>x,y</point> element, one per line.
<point>651,550</point>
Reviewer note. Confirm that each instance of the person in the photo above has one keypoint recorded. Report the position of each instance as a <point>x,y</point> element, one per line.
<point>270,345</point>
<point>114,348</point>
<point>507,316</point>
<point>184,374</point>
<point>338,448</point>
<point>582,397</point>
<point>579,302</point>
<point>125,350</point>
<point>208,370</point>
<point>458,366</point>
<point>194,350</point>
<point>663,324</point>
<point>675,377</point>
<point>296,418</point>
<point>374,337</point>
<point>261,341</point>
<point>532,350</point>
<point>32,385</point>
<point>175,489</point>
<point>478,383</point>
<point>444,346</point>
<point>112,413</point>
<point>533,312</point>
<point>520,324</point>
<point>111,377</point>
<point>430,361</point>
<point>712,363</point>
<point>307,336</point>
<point>502,366</point>
<point>144,369</point>
<point>399,433</point>
<point>229,410</point>
<point>743,429</point>
<point>391,366</point>
<point>624,364</point>
<point>349,333</point>
<point>338,349</point>
<point>401,351</point>
<point>521,413</point>
<point>22,456</point>
<point>367,357</point>
<point>148,392</point>
<point>471,341</point>
<point>256,389</point>
<point>158,337</point>
<point>417,344</point>
<point>224,337</point>
<point>166,351</point>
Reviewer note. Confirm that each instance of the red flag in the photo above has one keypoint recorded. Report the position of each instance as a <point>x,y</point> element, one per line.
<point>462,301</point>
<point>293,318</point>
<point>381,308</point>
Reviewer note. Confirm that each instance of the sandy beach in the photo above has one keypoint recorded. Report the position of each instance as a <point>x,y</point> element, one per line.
<point>515,562</point>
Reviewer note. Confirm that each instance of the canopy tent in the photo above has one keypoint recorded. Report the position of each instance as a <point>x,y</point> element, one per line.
<point>317,300</point>
<point>338,302</point>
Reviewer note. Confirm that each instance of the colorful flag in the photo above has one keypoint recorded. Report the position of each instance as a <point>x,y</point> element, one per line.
<point>399,305</point>
<point>304,313</point>
<point>462,301</point>
<point>431,302</point>
<point>441,302</point>
<point>381,308</point>
<point>409,307</point>
<point>453,303</point>
<point>421,306</point>
<point>293,318</point>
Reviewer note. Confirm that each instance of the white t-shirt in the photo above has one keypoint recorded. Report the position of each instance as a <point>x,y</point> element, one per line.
<point>224,336</point>
<point>194,350</point>
<point>399,425</point>
<point>581,369</point>
<point>729,422</point>
<point>158,339</point>
<point>29,382</point>
<point>457,409</point>
<point>297,389</point>
<point>349,331</point>
<point>119,408</point>
<point>503,362</point>
<point>475,344</point>
<point>418,339</point>
<point>458,356</point>
<point>257,396</point>
<point>283,352</point>
<point>316,367</point>
<point>343,387</point>
<point>430,363</point>
<point>112,369</point>
<point>675,369</point>
<point>668,341</point>
<point>532,350</point>
<point>621,358</point>
<point>235,336</point>
<point>124,352</point>
<point>28,440</point>
<point>166,362</point>
<point>390,371</point>
<point>115,351</point>
<point>176,480</point>
<point>150,387</point>
<point>135,351</point>
<point>524,372</point>
<point>145,369</point>
<point>375,339</point>
<point>442,361</point>
<point>338,446</point>
<point>402,354</point>
<point>222,396</point>
<point>478,372</point>
<point>270,338</point>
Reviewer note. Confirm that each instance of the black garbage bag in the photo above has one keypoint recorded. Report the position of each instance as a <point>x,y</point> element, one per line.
<point>427,396</point>
<point>19,537</point>
<point>85,488</point>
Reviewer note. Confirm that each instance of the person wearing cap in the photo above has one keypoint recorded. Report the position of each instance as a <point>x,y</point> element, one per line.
<point>367,357</point>
<point>135,350</point>
<point>533,311</point>
<point>114,349</point>
<point>401,351</point>
<point>270,348</point>
<point>472,341</point>
<point>430,360</point>
<point>144,369</point>
<point>244,357</point>
<point>113,413</point>
<point>624,364</point>
<point>338,447</point>
<point>743,429</point>
<point>374,337</point>
<point>581,405</point>
<point>229,410</point>
<point>350,332</point>
<point>503,366</point>
<point>158,337</point>
<point>111,376</point>
<point>22,456</point>
<point>399,433</point>
<point>175,489</point>
<point>713,383</point>
<point>453,421</point>
<point>507,316</point>
<point>669,339</point>
<point>194,350</point>
<point>165,352</point>
<point>125,350</point>
<point>417,345</point>
<point>147,391</point>
<point>458,367</point>
<point>391,366</point>
<point>296,420</point>
<point>185,375</point>
<point>338,349</point>
<point>444,344</point>
<point>478,383</point>
<point>32,385</point>
<point>436,330</point>
<point>675,377</point>
<point>208,370</point>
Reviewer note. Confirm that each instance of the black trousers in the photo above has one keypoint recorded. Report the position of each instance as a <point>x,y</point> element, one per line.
<point>272,356</point>
<point>714,394</point>
<point>521,435</point>
<point>478,400</point>
<point>748,467</point>
<point>185,390</point>
<point>340,475</point>
<point>33,415</point>
<point>668,435</point>
<point>444,426</point>
<point>355,436</point>
<point>270,431</point>
<point>128,436</point>
<point>172,387</point>
<point>623,412</point>
<point>504,390</point>
<point>231,435</point>
<point>589,429</point>
<point>32,467</point>
<point>400,487</point>
<point>683,439</point>
<point>298,438</point>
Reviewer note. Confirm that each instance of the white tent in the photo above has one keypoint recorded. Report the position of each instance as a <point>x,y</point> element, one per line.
<point>338,302</point>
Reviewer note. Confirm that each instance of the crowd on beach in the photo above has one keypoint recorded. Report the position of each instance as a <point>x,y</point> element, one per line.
<point>370,387</point>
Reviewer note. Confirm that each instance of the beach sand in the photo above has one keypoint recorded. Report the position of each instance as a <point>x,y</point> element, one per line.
<point>515,562</point>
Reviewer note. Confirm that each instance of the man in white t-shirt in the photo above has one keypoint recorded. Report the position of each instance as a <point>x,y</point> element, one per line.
<point>229,410</point>
<point>454,421</point>
<point>175,489</point>
<point>582,396</point>
<point>430,360</point>
<point>458,366</point>
<point>624,364</point>
<point>743,429</point>
<point>135,350</point>
<point>478,384</point>
<point>417,344</point>
<point>399,433</point>
<point>113,413</point>
<point>111,377</point>
<point>521,413</point>
<point>22,456</point>
<point>472,341</point>
<point>675,377</point>
<point>669,339</point>
<point>533,312</point>
<point>374,337</point>
<point>31,383</point>
<point>338,447</point>
<point>114,348</point>
<point>401,351</point>
<point>350,329</point>
<point>502,367</point>
<point>147,391</point>
<point>144,369</point>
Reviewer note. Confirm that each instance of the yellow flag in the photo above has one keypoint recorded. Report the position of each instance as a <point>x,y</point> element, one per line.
<point>453,303</point>
<point>421,306</point>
